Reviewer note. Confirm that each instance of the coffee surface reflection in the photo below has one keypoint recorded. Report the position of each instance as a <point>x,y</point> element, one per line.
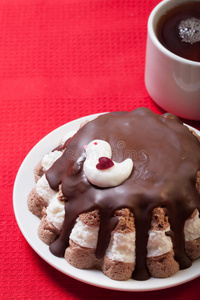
<point>178,30</point>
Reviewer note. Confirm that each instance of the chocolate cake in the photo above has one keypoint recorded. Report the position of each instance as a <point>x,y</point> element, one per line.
<point>134,211</point>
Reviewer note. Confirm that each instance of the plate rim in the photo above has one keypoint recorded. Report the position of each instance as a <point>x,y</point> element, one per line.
<point>152,284</point>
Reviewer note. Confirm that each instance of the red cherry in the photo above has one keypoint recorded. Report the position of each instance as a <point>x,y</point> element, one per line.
<point>104,163</point>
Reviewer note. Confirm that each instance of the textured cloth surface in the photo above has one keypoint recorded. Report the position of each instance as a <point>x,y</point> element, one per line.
<point>60,60</point>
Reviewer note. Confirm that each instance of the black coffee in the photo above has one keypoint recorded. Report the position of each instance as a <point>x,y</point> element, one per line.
<point>178,30</point>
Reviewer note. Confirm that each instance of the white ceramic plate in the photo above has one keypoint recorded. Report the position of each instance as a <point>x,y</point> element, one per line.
<point>28,224</point>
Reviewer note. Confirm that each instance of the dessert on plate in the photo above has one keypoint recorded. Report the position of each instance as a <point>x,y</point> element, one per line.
<point>122,195</point>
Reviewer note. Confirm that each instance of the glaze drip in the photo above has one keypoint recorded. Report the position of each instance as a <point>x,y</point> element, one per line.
<point>166,158</point>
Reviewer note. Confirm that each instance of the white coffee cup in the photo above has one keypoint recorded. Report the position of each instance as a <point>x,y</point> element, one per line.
<point>172,82</point>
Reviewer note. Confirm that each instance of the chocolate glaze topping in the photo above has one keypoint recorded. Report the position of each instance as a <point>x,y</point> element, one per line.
<point>166,157</point>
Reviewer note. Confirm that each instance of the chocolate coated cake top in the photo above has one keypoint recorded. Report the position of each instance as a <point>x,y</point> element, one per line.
<point>166,158</point>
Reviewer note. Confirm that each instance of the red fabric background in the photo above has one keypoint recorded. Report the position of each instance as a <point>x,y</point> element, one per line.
<point>60,60</point>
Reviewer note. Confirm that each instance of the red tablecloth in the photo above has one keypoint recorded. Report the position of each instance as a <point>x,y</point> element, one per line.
<point>60,60</point>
